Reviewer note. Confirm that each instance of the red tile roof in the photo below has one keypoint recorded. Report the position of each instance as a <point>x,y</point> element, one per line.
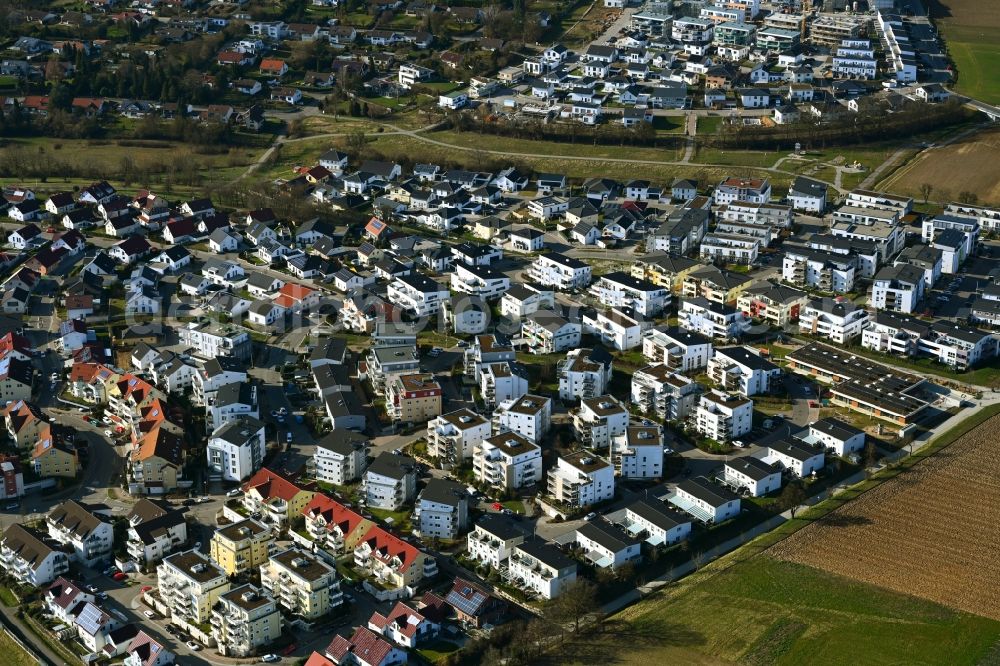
<point>406,619</point>
<point>271,484</point>
<point>387,546</point>
<point>316,659</point>
<point>365,645</point>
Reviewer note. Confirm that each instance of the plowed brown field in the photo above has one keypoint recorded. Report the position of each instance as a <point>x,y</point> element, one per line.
<point>933,531</point>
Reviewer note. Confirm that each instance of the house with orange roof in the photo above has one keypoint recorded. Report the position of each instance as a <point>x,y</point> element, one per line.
<point>376,229</point>
<point>157,462</point>
<point>18,345</point>
<point>25,422</point>
<point>88,106</point>
<point>296,297</point>
<point>392,561</point>
<point>92,382</point>
<point>55,454</point>
<point>128,396</point>
<point>331,525</point>
<point>316,659</point>
<point>273,67</point>
<point>278,499</point>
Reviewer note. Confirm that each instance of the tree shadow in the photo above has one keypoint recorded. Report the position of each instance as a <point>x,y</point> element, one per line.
<point>614,639</point>
<point>844,520</point>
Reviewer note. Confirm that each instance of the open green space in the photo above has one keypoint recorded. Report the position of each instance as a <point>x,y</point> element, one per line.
<point>581,148</point>
<point>14,654</point>
<point>763,611</point>
<point>709,124</point>
<point>751,158</point>
<point>976,52</point>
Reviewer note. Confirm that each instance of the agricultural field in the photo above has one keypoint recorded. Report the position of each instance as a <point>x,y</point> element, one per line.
<point>967,165</point>
<point>971,30</point>
<point>764,611</point>
<point>931,531</point>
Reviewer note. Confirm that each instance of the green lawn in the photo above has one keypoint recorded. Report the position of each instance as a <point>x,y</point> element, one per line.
<point>976,52</point>
<point>8,81</point>
<point>14,654</point>
<point>517,506</point>
<point>737,157</point>
<point>7,597</point>
<point>436,651</point>
<point>763,611</point>
<point>709,124</point>
<point>399,518</point>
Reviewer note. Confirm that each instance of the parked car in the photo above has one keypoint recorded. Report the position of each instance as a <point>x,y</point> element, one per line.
<point>194,647</point>
<point>119,576</point>
<point>235,492</point>
<point>590,516</point>
<point>149,614</point>
<point>108,433</point>
<point>270,658</point>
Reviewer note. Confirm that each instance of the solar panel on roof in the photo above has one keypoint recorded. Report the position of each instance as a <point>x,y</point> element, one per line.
<point>468,606</point>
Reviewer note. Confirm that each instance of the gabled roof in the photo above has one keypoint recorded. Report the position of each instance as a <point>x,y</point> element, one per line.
<point>269,484</point>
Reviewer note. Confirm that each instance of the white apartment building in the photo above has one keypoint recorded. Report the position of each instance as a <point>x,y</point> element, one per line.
<point>507,461</point>
<point>968,226</point>
<point>620,329</point>
<point>638,452</point>
<point>454,435</point>
<point>599,420</point>
<point>722,417</point>
<point>778,216</point>
<point>836,321</point>
<point>658,391</point>
<point>743,370</point>
<point>621,290</point>
<point>898,288</point>
<point>522,300</point>
<point>245,620</point>
<point>390,481</point>
<point>730,248</point>
<point>442,510</point>
<point>821,270</point>
<point>584,373</point>
<point>417,294</point>
<point>831,433</point>
<point>481,281</point>
<point>753,474</point>
<point>410,74</point>
<point>541,568</point>
<point>559,271</point>
<point>752,190</point>
<point>190,584</point>
<point>211,339</point>
<point>879,200</point>
<point>236,450</point>
<point>713,320</point>
<point>493,539</point>
<point>545,332</point>
<point>77,527</point>
<point>529,416</point>
<point>705,501</point>
<point>606,545</point>
<point>795,456</point>
<point>581,479</point>
<point>499,382</point>
<point>301,583</point>
<point>485,349</point>
<point>30,557</point>
<point>678,349</point>
<point>154,531</point>
<point>662,526</point>
<point>340,457</point>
